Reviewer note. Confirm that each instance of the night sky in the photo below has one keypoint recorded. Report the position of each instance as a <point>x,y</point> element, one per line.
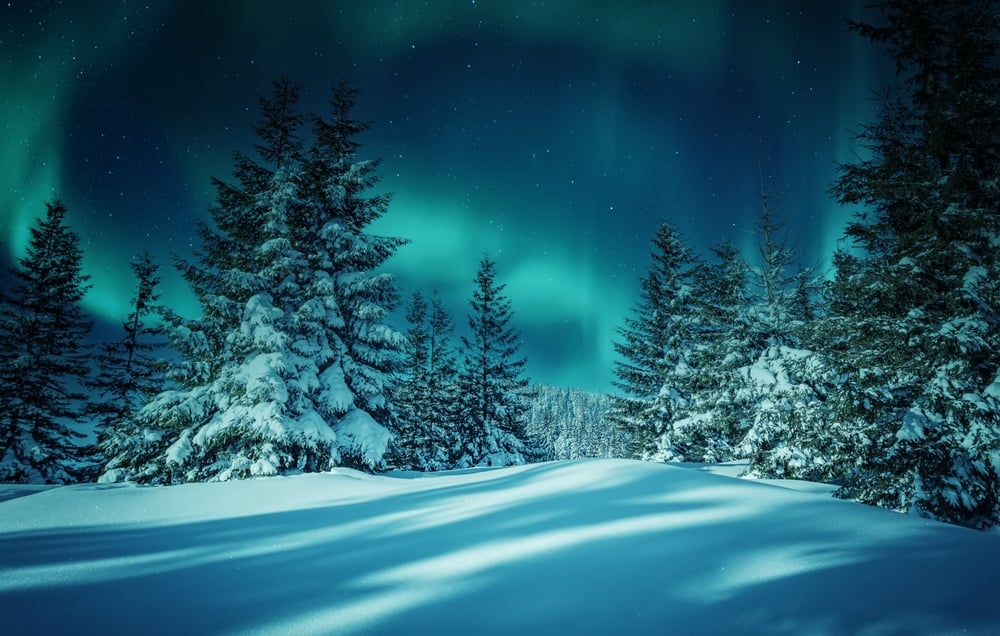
<point>553,135</point>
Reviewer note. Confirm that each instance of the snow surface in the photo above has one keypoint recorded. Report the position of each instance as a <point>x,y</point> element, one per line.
<point>586,546</point>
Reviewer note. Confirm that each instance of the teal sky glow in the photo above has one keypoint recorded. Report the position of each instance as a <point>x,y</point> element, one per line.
<point>554,136</point>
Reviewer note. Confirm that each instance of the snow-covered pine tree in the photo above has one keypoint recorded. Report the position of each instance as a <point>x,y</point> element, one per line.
<point>710,424</point>
<point>772,301</point>
<point>656,345</point>
<point>917,304</point>
<point>129,373</point>
<point>342,257</point>
<point>43,332</point>
<point>778,394</point>
<point>494,396</point>
<point>288,366</point>
<point>427,395</point>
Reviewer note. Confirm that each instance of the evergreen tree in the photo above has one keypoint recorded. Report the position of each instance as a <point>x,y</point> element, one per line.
<point>442,383</point>
<point>712,422</point>
<point>290,364</point>
<point>494,395</point>
<point>129,373</point>
<point>785,415</point>
<point>339,250</point>
<point>411,396</point>
<point>656,348</point>
<point>771,307</point>
<point>916,305</point>
<point>427,395</point>
<point>43,331</point>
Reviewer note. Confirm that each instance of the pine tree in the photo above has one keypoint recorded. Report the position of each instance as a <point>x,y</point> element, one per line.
<point>919,337</point>
<point>494,395</point>
<point>771,308</point>
<point>411,397</point>
<point>43,331</point>
<point>427,395</point>
<point>340,251</point>
<point>711,423</point>
<point>656,348</point>
<point>290,365</point>
<point>444,396</point>
<point>129,372</point>
<point>785,415</point>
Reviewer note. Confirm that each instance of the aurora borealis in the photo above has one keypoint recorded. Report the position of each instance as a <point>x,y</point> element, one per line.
<point>553,135</point>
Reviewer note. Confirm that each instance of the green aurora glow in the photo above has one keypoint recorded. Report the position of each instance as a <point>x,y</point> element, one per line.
<point>553,136</point>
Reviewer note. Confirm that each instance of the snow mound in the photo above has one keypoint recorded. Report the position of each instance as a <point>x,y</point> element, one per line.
<point>588,546</point>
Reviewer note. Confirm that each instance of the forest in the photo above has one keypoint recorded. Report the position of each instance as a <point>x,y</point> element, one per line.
<point>882,378</point>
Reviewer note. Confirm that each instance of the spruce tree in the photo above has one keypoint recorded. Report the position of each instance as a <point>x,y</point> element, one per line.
<point>339,251</point>
<point>290,364</point>
<point>492,429</point>
<point>712,421</point>
<point>657,344</point>
<point>129,371</point>
<point>427,395</point>
<point>772,305</point>
<point>785,416</point>
<point>916,303</point>
<point>43,330</point>
<point>442,378</point>
<point>411,396</point>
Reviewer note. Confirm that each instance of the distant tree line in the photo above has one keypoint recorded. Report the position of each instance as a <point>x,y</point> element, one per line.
<point>567,423</point>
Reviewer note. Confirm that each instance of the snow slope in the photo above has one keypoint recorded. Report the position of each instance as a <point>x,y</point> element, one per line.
<point>589,546</point>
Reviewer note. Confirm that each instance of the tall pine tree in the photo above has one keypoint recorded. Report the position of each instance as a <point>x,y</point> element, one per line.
<point>492,430</point>
<point>290,364</point>
<point>428,394</point>
<point>656,348</point>
<point>772,305</point>
<point>917,302</point>
<point>712,421</point>
<point>43,332</point>
<point>129,372</point>
<point>412,394</point>
<point>785,415</point>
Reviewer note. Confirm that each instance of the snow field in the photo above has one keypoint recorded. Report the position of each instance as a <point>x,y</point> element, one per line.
<point>587,546</point>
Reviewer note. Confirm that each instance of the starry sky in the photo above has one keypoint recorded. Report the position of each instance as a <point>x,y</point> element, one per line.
<point>552,135</point>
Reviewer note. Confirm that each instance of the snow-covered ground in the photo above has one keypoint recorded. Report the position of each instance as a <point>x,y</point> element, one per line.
<point>591,546</point>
